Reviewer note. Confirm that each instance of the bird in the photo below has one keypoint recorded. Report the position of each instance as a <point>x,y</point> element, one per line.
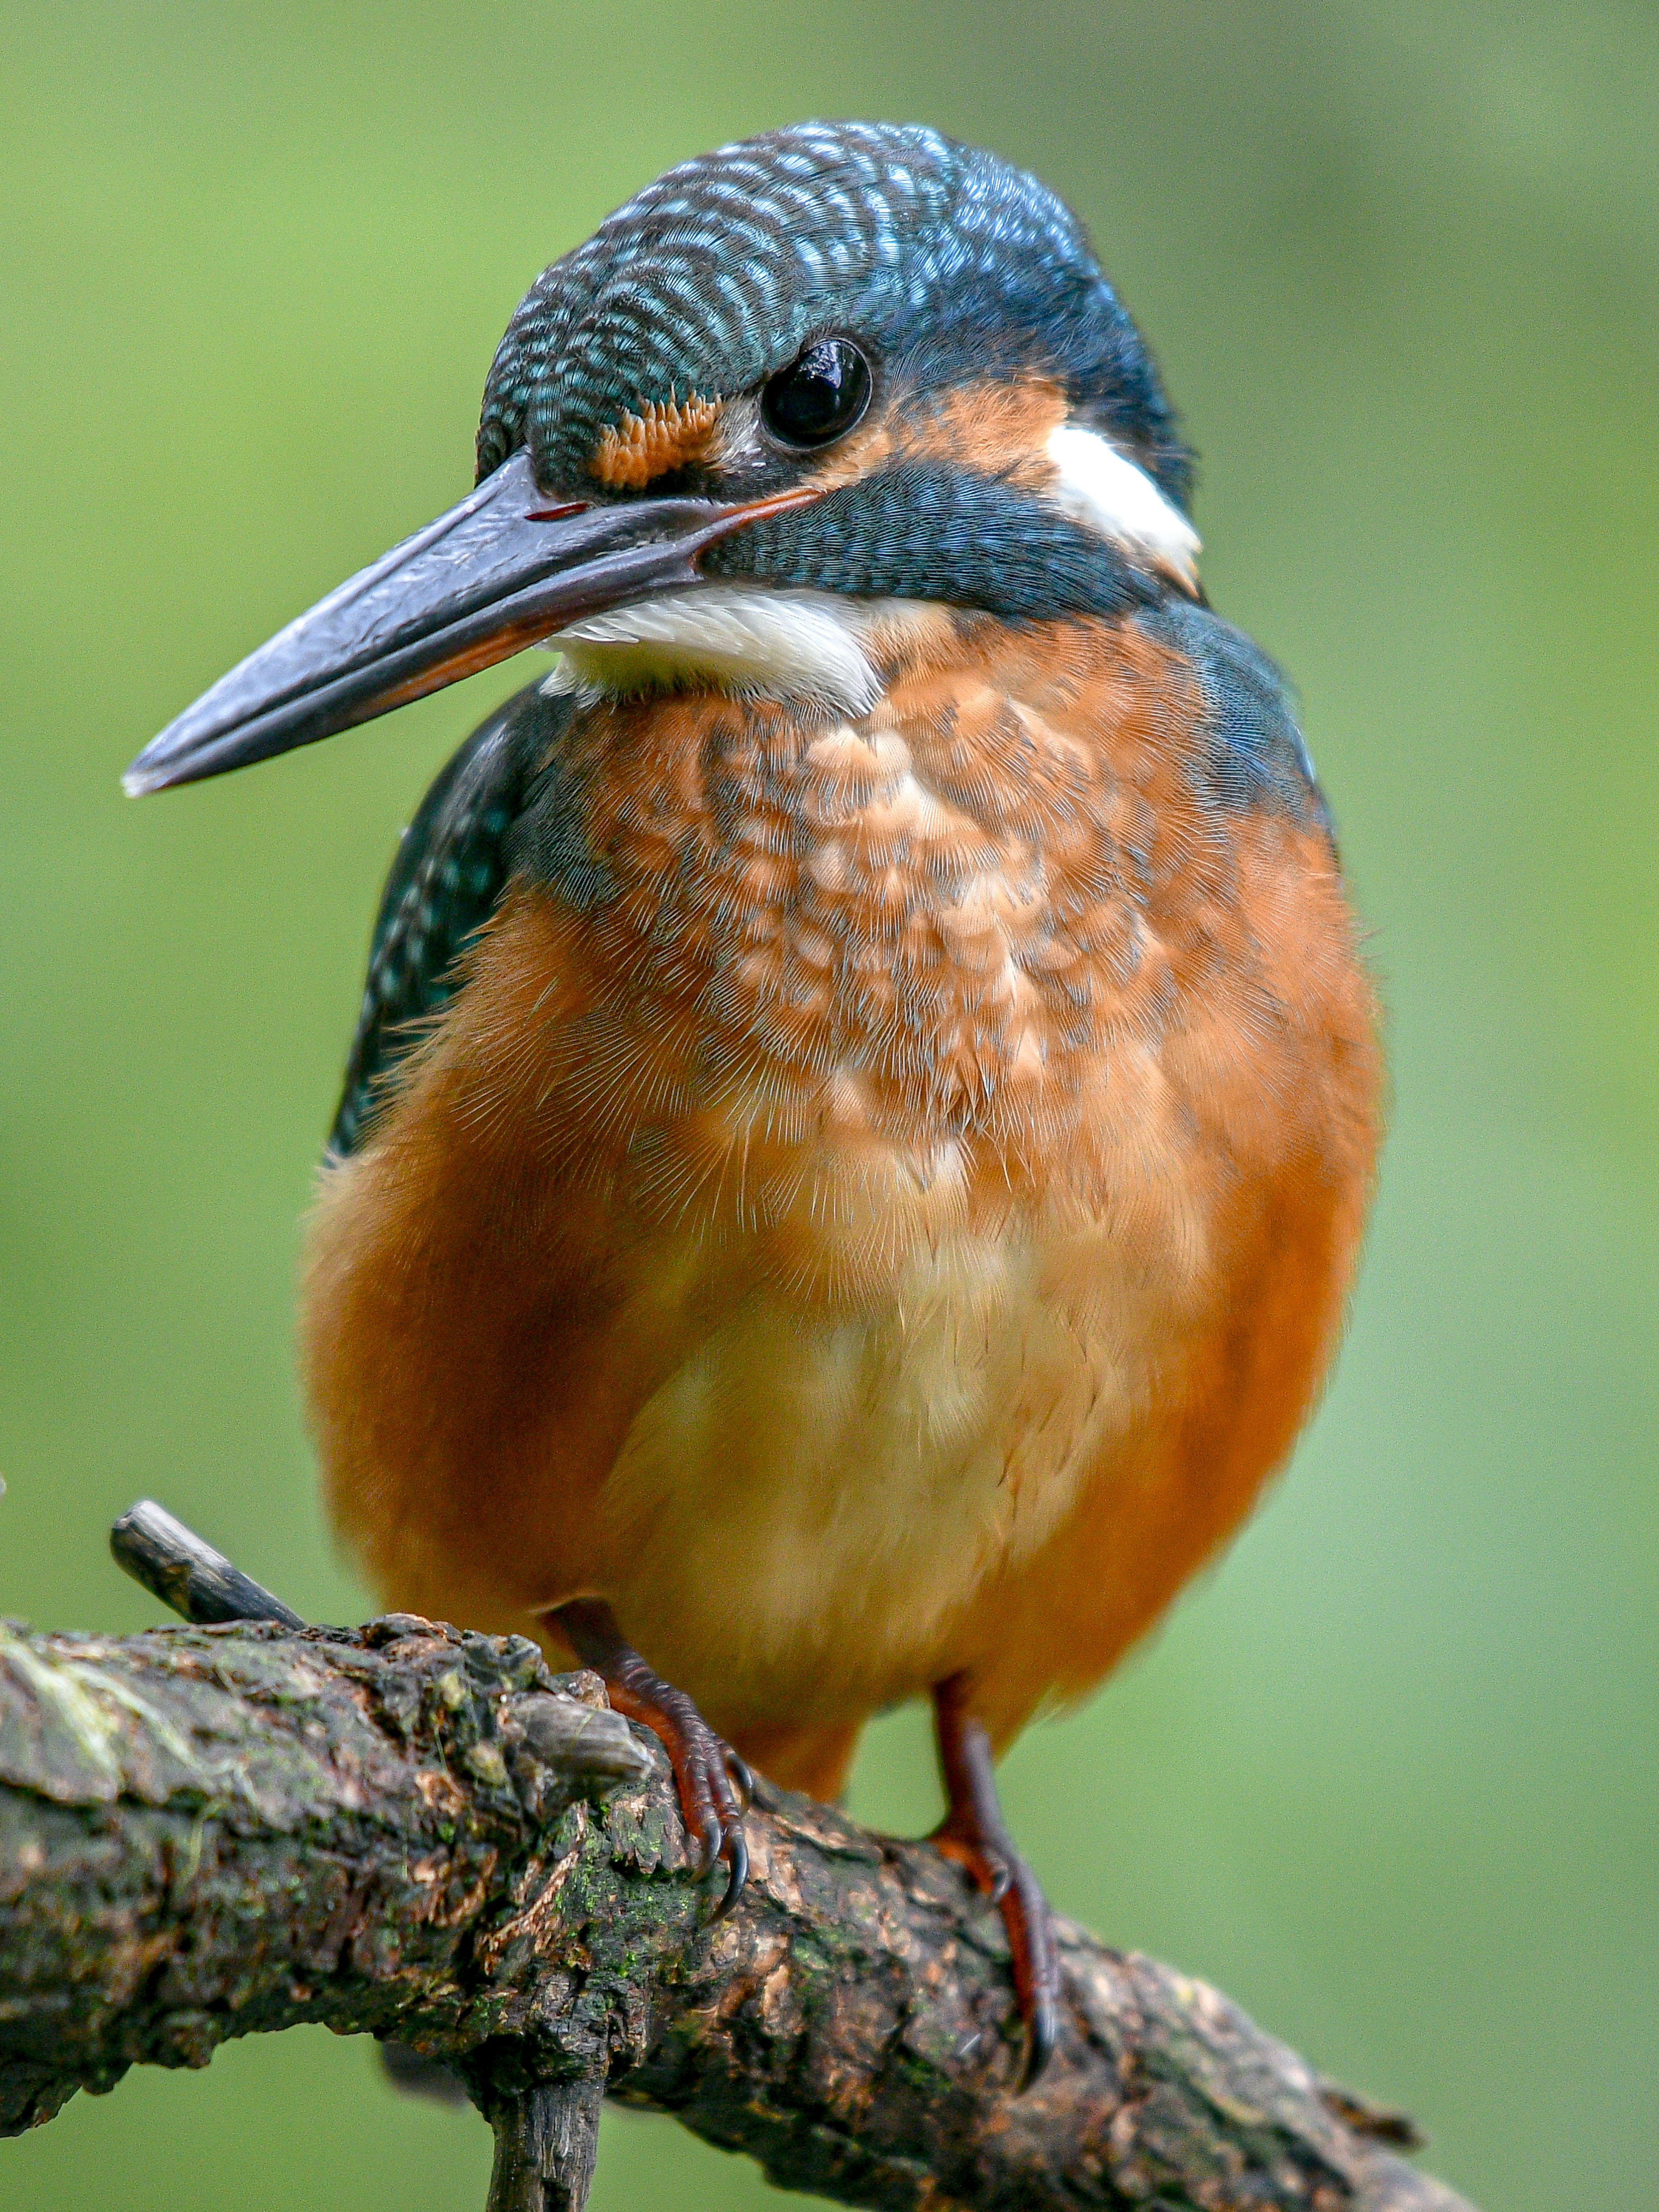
<point>859,1136</point>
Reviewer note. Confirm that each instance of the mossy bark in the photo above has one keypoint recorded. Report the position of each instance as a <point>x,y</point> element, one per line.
<point>414,1833</point>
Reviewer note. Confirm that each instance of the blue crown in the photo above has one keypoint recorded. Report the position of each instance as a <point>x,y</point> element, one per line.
<point>948,260</point>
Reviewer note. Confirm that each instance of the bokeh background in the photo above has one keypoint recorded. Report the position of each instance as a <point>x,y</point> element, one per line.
<point>1389,1776</point>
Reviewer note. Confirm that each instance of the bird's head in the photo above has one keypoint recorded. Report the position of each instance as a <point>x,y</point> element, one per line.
<point>793,384</point>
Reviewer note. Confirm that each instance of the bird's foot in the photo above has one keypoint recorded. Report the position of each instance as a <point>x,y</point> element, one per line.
<point>999,1870</point>
<point>974,1834</point>
<point>714,1785</point>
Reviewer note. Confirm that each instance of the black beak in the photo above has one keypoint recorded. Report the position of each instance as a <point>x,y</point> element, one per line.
<point>500,571</point>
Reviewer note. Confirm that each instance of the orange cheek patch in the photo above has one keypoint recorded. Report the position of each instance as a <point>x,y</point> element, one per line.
<point>665,435</point>
<point>994,429</point>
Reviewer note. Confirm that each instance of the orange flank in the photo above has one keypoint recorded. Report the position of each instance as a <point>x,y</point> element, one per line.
<point>881,1203</point>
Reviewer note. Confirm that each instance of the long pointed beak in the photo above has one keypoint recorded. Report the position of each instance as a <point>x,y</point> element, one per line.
<point>500,571</point>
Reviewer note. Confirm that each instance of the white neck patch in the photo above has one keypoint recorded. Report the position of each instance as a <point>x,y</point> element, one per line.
<point>1097,486</point>
<point>742,637</point>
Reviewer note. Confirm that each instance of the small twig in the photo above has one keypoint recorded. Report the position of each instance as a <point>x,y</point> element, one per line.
<point>175,1565</point>
<point>547,2135</point>
<point>1380,2123</point>
<point>546,2142</point>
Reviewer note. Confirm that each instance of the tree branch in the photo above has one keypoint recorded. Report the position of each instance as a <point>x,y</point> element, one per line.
<point>422,1835</point>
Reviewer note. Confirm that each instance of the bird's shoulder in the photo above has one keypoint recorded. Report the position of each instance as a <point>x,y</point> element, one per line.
<point>1252,751</point>
<point>445,879</point>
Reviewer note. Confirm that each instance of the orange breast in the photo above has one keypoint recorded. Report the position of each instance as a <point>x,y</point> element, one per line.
<point>882,1202</point>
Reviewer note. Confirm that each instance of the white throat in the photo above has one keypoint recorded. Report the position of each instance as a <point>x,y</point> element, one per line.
<point>744,637</point>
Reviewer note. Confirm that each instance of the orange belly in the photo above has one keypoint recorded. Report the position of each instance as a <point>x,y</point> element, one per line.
<point>895,1229</point>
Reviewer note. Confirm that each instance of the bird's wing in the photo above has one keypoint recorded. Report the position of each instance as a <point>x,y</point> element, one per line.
<point>1257,756</point>
<point>451,864</point>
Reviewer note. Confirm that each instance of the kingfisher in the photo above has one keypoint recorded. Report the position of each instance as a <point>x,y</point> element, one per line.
<point>861,1124</point>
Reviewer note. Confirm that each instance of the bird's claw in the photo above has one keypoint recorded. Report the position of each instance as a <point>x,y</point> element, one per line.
<point>714,1785</point>
<point>1000,1874</point>
<point>731,1844</point>
<point>990,1869</point>
<point>974,1834</point>
<point>737,1856</point>
<point>715,1788</point>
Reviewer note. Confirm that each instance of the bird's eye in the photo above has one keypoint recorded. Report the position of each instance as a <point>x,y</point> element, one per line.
<point>822,393</point>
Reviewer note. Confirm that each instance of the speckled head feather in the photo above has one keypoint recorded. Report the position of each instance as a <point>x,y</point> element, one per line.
<point>947,260</point>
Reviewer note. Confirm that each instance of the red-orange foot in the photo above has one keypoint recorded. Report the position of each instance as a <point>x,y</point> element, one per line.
<point>974,1834</point>
<point>714,1785</point>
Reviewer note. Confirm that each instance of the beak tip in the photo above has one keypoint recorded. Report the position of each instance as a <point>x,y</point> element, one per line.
<point>140,779</point>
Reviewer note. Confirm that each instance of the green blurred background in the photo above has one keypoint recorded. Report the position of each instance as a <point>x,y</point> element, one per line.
<point>1389,1776</point>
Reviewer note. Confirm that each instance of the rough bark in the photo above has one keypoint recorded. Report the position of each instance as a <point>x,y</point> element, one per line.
<point>410,1832</point>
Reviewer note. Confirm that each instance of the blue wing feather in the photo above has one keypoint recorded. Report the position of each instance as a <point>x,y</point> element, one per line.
<point>452,865</point>
<point>1256,753</point>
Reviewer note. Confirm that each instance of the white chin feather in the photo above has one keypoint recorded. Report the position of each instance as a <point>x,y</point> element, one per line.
<point>1097,486</point>
<point>744,637</point>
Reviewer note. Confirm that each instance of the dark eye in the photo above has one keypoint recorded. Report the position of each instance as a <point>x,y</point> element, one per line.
<point>822,393</point>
